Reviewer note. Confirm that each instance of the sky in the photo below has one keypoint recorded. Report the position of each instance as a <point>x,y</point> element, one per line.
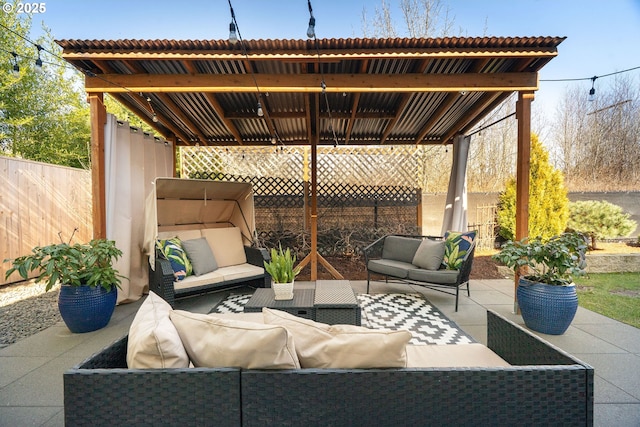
<point>602,35</point>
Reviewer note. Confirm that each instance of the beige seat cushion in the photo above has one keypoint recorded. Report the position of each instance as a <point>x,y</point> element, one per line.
<point>215,342</point>
<point>453,356</point>
<point>226,244</point>
<point>342,346</point>
<point>153,340</point>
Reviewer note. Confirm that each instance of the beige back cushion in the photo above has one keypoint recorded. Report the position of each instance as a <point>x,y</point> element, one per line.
<point>181,234</point>
<point>226,244</point>
<point>342,346</point>
<point>453,356</point>
<point>153,340</point>
<point>215,342</point>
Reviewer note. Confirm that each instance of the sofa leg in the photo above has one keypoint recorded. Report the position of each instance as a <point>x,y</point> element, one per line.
<point>457,293</point>
<point>368,277</point>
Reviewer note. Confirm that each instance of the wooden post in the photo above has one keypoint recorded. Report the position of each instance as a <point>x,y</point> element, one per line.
<point>314,208</point>
<point>98,120</point>
<point>523,115</point>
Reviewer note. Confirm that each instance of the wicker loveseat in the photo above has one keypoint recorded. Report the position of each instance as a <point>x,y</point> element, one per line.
<point>543,386</point>
<point>220,212</point>
<point>393,257</point>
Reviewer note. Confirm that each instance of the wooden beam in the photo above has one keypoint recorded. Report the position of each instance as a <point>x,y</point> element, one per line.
<point>323,115</point>
<point>354,106</point>
<point>193,128</point>
<point>437,115</point>
<point>479,106</point>
<point>300,83</point>
<point>401,105</point>
<point>138,106</point>
<point>98,120</point>
<point>220,112</point>
<point>523,167</point>
<point>217,108</point>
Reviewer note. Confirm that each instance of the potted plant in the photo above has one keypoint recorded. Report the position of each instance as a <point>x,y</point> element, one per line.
<point>282,272</point>
<point>88,281</point>
<point>546,293</point>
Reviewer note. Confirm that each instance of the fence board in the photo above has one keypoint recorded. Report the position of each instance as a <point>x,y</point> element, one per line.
<point>37,202</point>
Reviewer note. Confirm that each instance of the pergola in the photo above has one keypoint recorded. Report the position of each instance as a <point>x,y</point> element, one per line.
<point>312,92</point>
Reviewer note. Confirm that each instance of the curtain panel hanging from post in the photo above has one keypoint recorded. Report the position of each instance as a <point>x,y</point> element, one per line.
<point>455,210</point>
<point>133,160</point>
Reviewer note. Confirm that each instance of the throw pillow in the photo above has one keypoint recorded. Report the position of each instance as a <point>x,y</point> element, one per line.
<point>153,340</point>
<point>171,249</point>
<point>342,346</point>
<point>214,342</point>
<point>200,255</point>
<point>430,254</point>
<point>457,244</point>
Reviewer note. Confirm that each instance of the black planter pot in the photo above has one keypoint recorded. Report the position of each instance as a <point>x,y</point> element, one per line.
<point>547,308</point>
<point>86,308</point>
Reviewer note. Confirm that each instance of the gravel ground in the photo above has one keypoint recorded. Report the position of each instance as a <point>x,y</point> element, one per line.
<point>26,309</point>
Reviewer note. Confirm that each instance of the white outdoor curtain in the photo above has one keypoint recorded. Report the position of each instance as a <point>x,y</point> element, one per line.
<point>133,160</point>
<point>455,210</point>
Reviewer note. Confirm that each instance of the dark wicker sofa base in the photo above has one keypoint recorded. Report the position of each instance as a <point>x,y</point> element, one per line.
<point>545,386</point>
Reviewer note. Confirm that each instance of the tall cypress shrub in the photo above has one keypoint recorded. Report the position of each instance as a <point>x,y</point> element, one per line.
<point>548,201</point>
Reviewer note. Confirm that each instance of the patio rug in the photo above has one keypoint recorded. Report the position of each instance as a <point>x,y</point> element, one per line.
<point>411,312</point>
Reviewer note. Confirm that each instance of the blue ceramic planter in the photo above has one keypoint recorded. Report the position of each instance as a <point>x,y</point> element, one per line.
<point>546,308</point>
<point>86,308</point>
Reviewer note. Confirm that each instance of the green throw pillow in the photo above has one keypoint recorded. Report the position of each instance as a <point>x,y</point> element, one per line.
<point>171,249</point>
<point>456,246</point>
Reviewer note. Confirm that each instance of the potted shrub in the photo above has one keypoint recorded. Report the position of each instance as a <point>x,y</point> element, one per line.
<point>282,272</point>
<point>88,281</point>
<point>546,293</point>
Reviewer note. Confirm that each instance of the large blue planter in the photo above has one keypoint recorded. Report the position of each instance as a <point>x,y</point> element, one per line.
<point>546,308</point>
<point>86,308</point>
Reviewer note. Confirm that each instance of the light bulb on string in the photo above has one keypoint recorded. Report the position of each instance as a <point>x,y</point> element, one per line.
<point>592,91</point>
<point>155,118</point>
<point>16,67</point>
<point>311,31</point>
<point>233,35</point>
<point>273,140</point>
<point>260,112</point>
<point>39,69</point>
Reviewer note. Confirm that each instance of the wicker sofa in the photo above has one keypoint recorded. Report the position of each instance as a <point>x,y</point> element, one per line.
<point>237,265</point>
<point>392,256</point>
<point>543,386</point>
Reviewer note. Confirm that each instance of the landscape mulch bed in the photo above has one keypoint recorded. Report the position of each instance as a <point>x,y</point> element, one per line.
<point>353,268</point>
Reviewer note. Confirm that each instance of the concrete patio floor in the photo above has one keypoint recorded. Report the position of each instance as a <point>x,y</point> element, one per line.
<point>31,385</point>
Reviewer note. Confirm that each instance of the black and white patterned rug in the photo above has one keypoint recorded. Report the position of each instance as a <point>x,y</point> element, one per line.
<point>411,312</point>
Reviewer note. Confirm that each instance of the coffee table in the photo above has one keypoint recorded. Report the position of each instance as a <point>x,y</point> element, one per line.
<point>330,301</point>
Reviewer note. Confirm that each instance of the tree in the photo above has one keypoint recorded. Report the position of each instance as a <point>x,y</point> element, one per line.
<point>43,115</point>
<point>600,220</point>
<point>548,201</point>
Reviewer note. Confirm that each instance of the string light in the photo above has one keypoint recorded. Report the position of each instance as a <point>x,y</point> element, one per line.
<point>274,141</point>
<point>39,60</point>
<point>233,35</point>
<point>311,31</point>
<point>260,112</point>
<point>592,91</point>
<point>16,67</point>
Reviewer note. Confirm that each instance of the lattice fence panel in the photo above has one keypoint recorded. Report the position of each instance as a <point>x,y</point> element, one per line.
<point>373,165</point>
<point>486,226</point>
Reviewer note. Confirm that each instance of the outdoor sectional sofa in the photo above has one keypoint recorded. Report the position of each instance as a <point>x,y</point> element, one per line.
<point>394,256</point>
<point>543,386</point>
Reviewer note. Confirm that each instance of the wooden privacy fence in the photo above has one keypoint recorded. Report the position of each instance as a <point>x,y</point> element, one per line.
<point>39,203</point>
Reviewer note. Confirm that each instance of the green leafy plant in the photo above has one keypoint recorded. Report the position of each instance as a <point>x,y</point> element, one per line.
<point>600,220</point>
<point>553,262</point>
<point>280,267</point>
<point>76,265</point>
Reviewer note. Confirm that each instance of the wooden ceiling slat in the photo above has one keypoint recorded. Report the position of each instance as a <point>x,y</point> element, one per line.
<point>193,128</point>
